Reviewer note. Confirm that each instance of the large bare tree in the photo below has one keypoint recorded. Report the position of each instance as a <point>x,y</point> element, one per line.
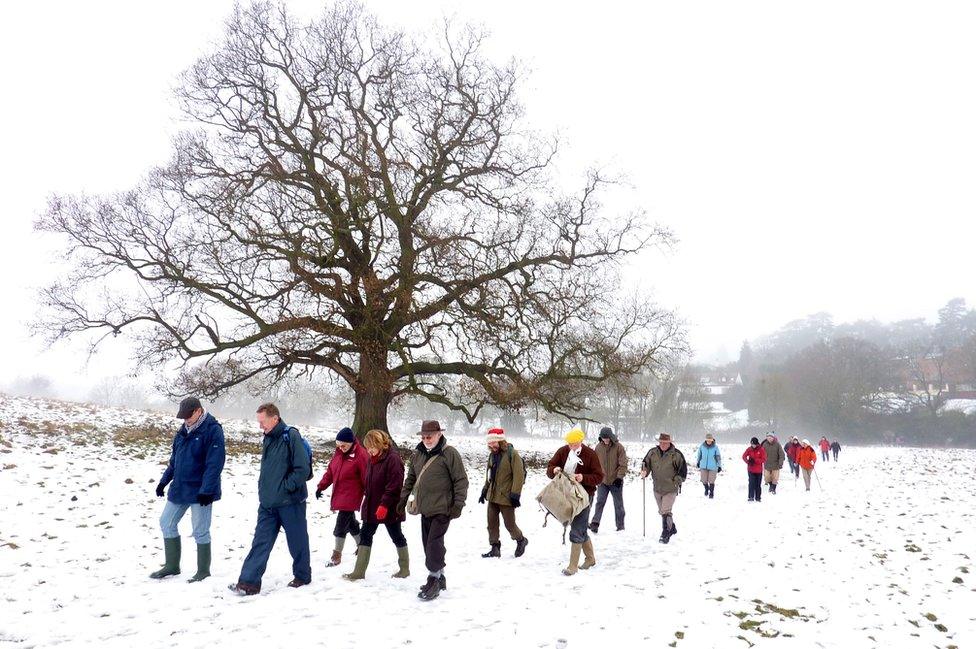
<point>353,200</point>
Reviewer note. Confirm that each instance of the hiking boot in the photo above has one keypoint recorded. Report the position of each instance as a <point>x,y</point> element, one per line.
<point>362,561</point>
<point>595,527</point>
<point>590,559</point>
<point>443,581</point>
<point>335,560</point>
<point>203,563</point>
<point>574,555</point>
<point>706,491</point>
<point>665,530</point>
<point>711,491</point>
<point>171,550</point>
<point>674,528</point>
<point>403,559</point>
<point>495,551</point>
<point>772,488</point>
<point>431,590</point>
<point>520,546</point>
<point>243,589</point>
<point>298,583</point>
<point>620,528</point>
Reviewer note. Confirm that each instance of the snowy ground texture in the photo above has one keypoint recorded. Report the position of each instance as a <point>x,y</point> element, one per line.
<point>880,556</point>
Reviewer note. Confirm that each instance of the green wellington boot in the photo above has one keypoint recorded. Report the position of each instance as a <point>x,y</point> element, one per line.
<point>362,562</point>
<point>203,563</point>
<point>404,560</point>
<point>172,566</point>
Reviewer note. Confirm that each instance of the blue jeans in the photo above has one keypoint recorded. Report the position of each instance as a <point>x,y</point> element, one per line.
<point>200,517</point>
<point>270,522</point>
<point>602,491</point>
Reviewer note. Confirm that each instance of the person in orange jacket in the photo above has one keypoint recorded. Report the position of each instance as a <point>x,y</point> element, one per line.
<point>806,457</point>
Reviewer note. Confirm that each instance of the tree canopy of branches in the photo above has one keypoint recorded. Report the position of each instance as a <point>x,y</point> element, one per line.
<point>353,200</point>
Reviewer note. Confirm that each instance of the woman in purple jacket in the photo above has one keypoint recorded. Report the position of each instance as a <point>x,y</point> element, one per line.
<point>384,479</point>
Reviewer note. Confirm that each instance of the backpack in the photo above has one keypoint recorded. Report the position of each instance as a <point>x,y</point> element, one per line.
<point>683,467</point>
<point>525,469</point>
<point>308,449</point>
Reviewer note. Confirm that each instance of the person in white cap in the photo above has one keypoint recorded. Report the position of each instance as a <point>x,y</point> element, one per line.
<point>504,479</point>
<point>806,458</point>
<point>709,463</point>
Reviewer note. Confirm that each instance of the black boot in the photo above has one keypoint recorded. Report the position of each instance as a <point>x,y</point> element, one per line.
<point>495,551</point>
<point>674,528</point>
<point>706,491</point>
<point>431,589</point>
<point>772,488</point>
<point>520,546</point>
<point>665,529</point>
<point>711,490</point>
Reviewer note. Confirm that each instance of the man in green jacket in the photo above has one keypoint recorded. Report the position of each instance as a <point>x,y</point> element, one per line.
<point>285,466</point>
<point>504,479</point>
<point>439,485</point>
<point>775,457</point>
<point>667,468</point>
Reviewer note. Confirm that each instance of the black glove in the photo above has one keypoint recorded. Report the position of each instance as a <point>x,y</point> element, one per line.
<point>456,512</point>
<point>160,490</point>
<point>205,499</point>
<point>515,499</point>
<point>484,494</point>
<point>719,470</point>
<point>318,494</point>
<point>619,482</point>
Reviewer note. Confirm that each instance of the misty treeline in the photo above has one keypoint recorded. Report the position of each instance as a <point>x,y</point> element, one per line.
<point>909,381</point>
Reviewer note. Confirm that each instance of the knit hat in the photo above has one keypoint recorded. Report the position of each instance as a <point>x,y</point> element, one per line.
<point>495,435</point>
<point>345,435</point>
<point>806,442</point>
<point>575,436</point>
<point>770,436</point>
<point>606,432</point>
<point>754,441</point>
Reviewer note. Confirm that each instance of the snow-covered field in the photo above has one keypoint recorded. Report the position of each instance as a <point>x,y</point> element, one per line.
<point>879,556</point>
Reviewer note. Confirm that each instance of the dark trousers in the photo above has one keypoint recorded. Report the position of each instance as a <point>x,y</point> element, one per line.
<point>835,455</point>
<point>432,532</point>
<point>579,532</point>
<point>825,455</point>
<point>755,486</point>
<point>507,513</point>
<point>270,521</point>
<point>794,468</point>
<point>346,523</point>
<point>392,528</point>
<point>602,492</point>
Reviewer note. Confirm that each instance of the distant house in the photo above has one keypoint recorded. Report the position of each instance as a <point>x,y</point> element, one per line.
<point>949,374</point>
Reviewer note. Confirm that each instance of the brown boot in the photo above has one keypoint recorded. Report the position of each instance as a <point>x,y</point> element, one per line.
<point>335,560</point>
<point>574,554</point>
<point>590,559</point>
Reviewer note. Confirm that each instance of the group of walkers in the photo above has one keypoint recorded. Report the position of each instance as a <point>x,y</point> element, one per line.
<point>368,478</point>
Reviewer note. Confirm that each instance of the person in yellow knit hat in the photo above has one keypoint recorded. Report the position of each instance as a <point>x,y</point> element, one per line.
<point>581,462</point>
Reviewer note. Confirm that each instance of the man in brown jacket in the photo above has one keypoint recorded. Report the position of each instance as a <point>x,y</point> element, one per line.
<point>613,459</point>
<point>439,486</point>
<point>775,457</point>
<point>504,479</point>
<point>667,468</point>
<point>579,461</point>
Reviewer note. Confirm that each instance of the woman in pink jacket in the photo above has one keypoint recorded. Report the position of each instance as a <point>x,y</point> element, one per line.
<point>755,458</point>
<point>347,476</point>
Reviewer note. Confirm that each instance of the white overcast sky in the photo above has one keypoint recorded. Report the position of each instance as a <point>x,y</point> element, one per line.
<point>810,156</point>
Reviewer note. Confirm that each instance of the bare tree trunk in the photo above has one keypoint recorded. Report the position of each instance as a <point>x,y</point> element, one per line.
<point>373,395</point>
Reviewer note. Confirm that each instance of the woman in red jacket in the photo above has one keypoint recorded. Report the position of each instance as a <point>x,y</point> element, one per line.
<point>755,458</point>
<point>347,475</point>
<point>384,480</point>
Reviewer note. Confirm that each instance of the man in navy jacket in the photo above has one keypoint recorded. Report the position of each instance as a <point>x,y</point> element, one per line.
<point>193,477</point>
<point>282,495</point>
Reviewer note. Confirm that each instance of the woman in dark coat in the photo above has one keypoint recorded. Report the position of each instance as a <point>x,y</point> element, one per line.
<point>384,480</point>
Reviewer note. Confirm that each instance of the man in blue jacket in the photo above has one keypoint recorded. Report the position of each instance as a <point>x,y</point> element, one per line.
<point>193,477</point>
<point>285,467</point>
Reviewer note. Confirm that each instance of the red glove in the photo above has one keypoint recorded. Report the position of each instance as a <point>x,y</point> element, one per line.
<point>381,512</point>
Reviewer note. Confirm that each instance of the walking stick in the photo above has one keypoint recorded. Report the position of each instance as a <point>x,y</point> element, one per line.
<point>644,521</point>
<point>818,478</point>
